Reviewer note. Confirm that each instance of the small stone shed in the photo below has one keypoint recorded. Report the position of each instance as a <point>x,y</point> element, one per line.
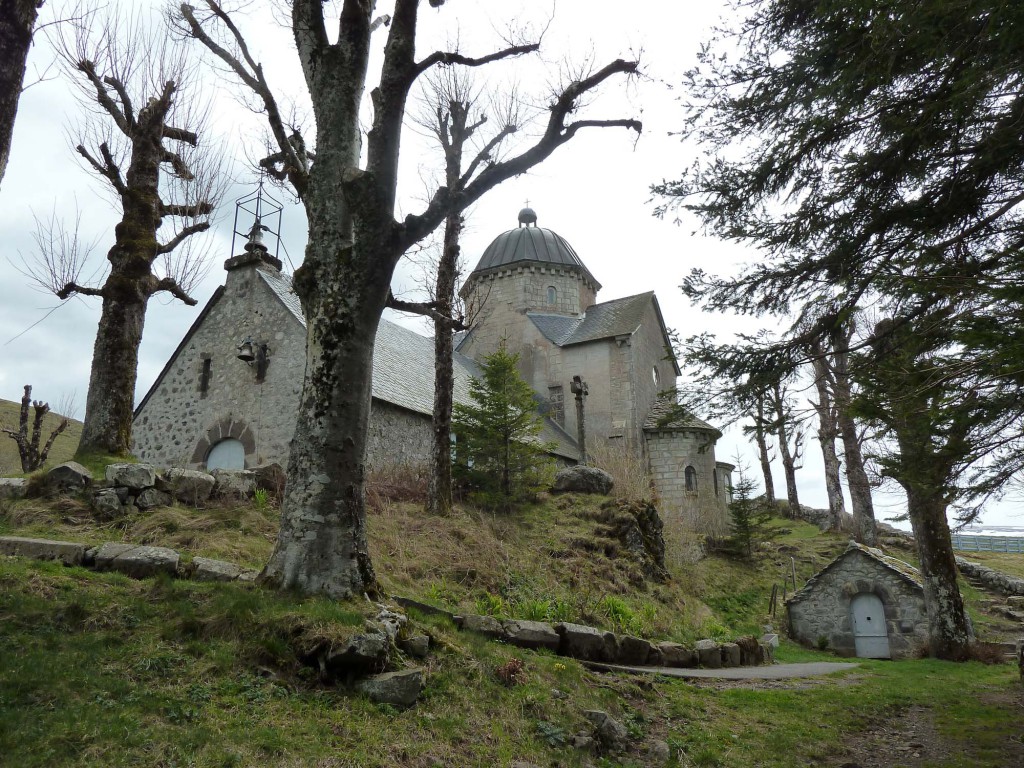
<point>865,604</point>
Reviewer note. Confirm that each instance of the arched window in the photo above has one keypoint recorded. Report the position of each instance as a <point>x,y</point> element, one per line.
<point>227,454</point>
<point>715,475</point>
<point>691,479</point>
<point>552,295</point>
<point>656,376</point>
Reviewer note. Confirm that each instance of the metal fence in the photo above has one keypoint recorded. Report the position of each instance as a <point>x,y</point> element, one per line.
<point>988,543</point>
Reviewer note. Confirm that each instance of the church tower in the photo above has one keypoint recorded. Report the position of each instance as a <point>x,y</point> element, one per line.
<point>527,269</point>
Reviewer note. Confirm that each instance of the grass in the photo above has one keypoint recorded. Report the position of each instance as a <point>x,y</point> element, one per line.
<point>102,670</point>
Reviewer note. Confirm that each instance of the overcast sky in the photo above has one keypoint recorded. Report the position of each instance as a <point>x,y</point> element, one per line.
<point>593,191</point>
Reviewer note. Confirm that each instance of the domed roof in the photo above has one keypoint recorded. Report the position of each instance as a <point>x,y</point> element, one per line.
<point>530,243</point>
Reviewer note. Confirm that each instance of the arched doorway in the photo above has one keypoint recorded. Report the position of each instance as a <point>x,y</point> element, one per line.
<point>227,454</point>
<point>867,619</point>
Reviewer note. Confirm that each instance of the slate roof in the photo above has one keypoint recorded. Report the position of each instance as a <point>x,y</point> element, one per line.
<point>530,245</point>
<point>665,415</point>
<point>403,367</point>
<point>618,317</point>
<point>906,571</point>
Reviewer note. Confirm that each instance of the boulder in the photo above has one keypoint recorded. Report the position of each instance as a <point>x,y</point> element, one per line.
<point>362,653</point>
<point>638,528</point>
<point>189,486</point>
<point>676,655</point>
<point>136,561</point>
<point>611,734</point>
<point>659,752</point>
<point>584,743</point>
<point>417,646</point>
<point>531,634</point>
<point>205,569</point>
<point>751,652</point>
<point>106,505</point>
<point>65,552</point>
<point>586,643</point>
<point>482,625</point>
<point>133,476</point>
<point>233,483</point>
<point>12,487</point>
<point>69,477</point>
<point>709,655</point>
<point>582,479</point>
<point>151,498</point>
<point>634,651</point>
<point>732,656</point>
<point>399,689</point>
<point>390,622</point>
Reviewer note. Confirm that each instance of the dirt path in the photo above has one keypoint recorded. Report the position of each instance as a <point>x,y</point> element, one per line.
<point>768,672</point>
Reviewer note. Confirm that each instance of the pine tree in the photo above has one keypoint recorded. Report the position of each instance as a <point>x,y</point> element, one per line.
<point>748,516</point>
<point>499,453</point>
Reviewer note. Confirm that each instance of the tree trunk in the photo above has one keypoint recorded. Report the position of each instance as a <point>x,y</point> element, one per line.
<point>856,477</point>
<point>439,488</point>
<point>827,432</point>
<point>787,457</point>
<point>949,634</point>
<point>17,20</point>
<point>762,452</point>
<point>107,427</point>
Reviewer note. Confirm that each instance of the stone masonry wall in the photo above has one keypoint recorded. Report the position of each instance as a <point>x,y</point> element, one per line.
<point>179,424</point>
<point>669,453</point>
<point>397,437</point>
<point>825,612</point>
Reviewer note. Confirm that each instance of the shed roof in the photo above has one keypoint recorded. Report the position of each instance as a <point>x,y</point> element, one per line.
<point>904,570</point>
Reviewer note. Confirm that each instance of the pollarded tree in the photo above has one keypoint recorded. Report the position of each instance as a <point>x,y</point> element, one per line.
<point>349,191</point>
<point>143,143</point>
<point>31,450</point>
<point>17,22</point>
<point>499,451</point>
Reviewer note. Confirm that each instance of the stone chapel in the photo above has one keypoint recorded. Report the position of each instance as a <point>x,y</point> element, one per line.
<point>228,395</point>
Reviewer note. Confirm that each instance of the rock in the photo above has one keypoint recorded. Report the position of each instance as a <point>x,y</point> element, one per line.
<point>584,743</point>
<point>106,505</point>
<point>483,625</point>
<point>270,478</point>
<point>612,734</point>
<point>633,651</point>
<point>205,569</point>
<point>659,752</point>
<point>522,764</point>
<point>389,622</point>
<point>531,634</point>
<point>709,655</point>
<point>69,476</point>
<point>1014,601</point>
<point>731,655</point>
<point>151,498</point>
<point>583,480</point>
<point>751,652</point>
<point>638,527</point>
<point>136,561</point>
<point>362,653</point>
<point>249,576</point>
<point>586,643</point>
<point>133,476</point>
<point>1012,614</point>
<point>233,483</point>
<point>676,655</point>
<point>399,689</point>
<point>65,552</point>
<point>12,487</point>
<point>417,646</point>
<point>770,639</point>
<point>188,486</point>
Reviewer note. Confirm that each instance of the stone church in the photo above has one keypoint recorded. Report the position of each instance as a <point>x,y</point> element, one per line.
<point>230,391</point>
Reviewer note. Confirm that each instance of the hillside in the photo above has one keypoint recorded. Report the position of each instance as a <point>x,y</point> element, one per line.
<point>63,447</point>
<point>105,670</point>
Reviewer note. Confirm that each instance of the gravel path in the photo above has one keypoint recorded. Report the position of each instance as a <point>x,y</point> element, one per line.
<point>768,672</point>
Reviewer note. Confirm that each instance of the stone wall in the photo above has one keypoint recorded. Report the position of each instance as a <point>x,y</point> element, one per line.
<point>822,610</point>
<point>178,423</point>
<point>669,453</point>
<point>397,437</point>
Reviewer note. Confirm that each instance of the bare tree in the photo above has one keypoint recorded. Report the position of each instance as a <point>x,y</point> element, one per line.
<point>143,142</point>
<point>32,456</point>
<point>354,244</point>
<point>828,430</point>
<point>789,432</point>
<point>759,430</point>
<point>17,22</point>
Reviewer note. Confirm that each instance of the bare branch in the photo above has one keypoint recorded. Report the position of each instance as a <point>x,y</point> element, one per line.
<point>426,309</point>
<point>72,288</point>
<point>186,211</point>
<point>103,96</point>
<point>171,286</point>
<point>180,134</point>
<point>126,103</point>
<point>451,57</point>
<point>186,232</point>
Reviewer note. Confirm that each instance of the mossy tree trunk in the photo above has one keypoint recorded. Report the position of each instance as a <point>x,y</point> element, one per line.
<point>17,21</point>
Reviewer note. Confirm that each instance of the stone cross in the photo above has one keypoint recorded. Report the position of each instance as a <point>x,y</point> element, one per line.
<point>579,388</point>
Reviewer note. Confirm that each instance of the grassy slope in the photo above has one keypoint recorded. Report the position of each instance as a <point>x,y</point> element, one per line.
<point>63,447</point>
<point>102,670</point>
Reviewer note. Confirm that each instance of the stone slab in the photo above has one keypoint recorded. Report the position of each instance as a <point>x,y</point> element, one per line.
<point>135,560</point>
<point>399,689</point>
<point>206,569</point>
<point>531,634</point>
<point>772,672</point>
<point>12,487</point>
<point>66,552</point>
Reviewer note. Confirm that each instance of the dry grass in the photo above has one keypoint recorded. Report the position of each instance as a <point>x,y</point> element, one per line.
<point>627,468</point>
